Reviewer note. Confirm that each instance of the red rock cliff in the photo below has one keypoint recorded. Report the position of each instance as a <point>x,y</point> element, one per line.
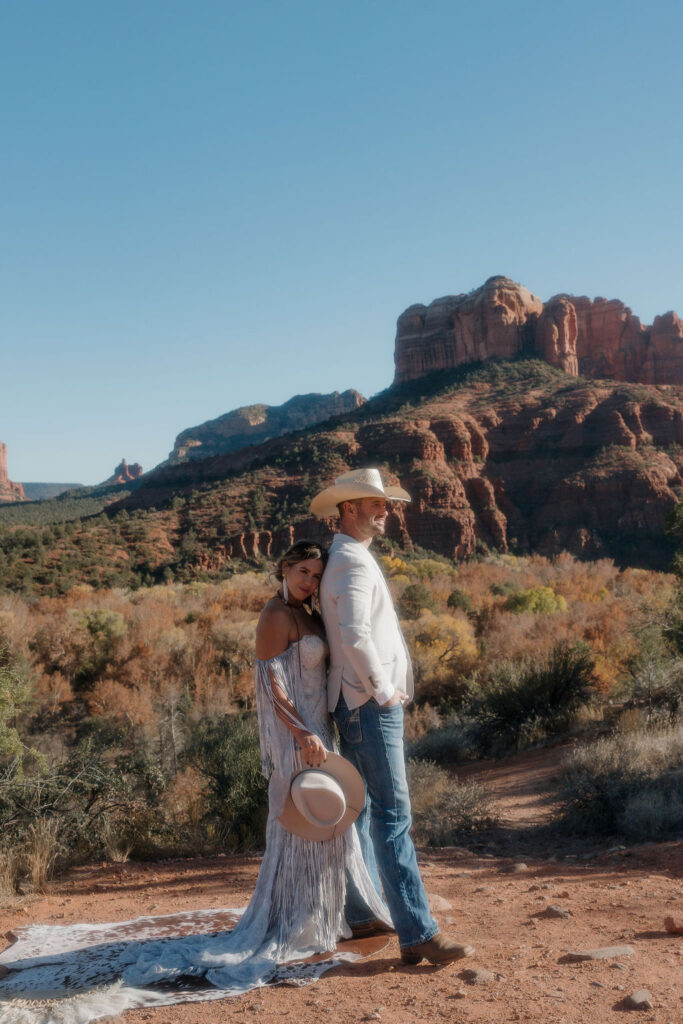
<point>597,338</point>
<point>9,491</point>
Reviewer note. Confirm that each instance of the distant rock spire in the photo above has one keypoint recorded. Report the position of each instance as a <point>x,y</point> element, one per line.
<point>9,491</point>
<point>124,473</point>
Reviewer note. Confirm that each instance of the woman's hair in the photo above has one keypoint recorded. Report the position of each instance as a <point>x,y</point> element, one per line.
<point>299,552</point>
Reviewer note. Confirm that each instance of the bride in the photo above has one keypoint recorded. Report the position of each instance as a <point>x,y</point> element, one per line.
<point>297,908</point>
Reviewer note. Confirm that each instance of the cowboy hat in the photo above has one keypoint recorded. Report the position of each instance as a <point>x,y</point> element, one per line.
<point>323,802</point>
<point>357,483</point>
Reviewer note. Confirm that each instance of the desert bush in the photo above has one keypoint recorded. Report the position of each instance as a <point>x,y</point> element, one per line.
<point>10,869</point>
<point>15,696</point>
<point>226,753</point>
<point>537,600</point>
<point>629,785</point>
<point>529,700</point>
<point>41,848</point>
<point>459,599</point>
<point>454,739</point>
<point>415,599</point>
<point>443,650</point>
<point>444,810</point>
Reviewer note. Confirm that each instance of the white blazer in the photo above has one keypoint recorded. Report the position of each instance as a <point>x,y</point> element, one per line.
<point>368,655</point>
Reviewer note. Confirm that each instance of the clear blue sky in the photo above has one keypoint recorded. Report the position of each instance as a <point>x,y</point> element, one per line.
<point>209,203</point>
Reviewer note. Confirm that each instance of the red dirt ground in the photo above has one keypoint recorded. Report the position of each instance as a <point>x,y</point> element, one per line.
<point>614,896</point>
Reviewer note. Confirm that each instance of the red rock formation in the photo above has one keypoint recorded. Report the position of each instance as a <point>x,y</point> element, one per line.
<point>124,473</point>
<point>9,491</point>
<point>494,322</point>
<point>556,335</point>
<point>597,338</point>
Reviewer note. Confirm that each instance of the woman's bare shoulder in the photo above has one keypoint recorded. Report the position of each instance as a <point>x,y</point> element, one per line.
<point>272,631</point>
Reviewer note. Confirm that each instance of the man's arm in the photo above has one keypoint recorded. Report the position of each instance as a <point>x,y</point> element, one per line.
<point>354,589</point>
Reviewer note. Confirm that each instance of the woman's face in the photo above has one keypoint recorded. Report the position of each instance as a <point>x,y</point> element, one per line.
<point>303,578</point>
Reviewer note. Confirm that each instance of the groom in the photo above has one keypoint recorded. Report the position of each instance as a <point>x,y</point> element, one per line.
<point>370,678</point>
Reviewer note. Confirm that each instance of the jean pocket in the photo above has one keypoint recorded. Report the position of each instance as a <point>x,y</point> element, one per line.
<point>349,726</point>
<point>390,709</point>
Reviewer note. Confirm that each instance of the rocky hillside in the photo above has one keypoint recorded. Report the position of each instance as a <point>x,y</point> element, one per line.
<point>596,338</point>
<point>515,455</point>
<point>252,424</point>
<point>9,491</point>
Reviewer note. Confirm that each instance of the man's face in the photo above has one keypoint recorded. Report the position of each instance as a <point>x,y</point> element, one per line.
<point>371,517</point>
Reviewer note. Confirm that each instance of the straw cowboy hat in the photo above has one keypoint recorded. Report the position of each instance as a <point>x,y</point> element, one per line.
<point>323,802</point>
<point>357,483</point>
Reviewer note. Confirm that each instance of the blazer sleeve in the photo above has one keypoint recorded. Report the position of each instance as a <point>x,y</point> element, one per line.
<point>354,593</point>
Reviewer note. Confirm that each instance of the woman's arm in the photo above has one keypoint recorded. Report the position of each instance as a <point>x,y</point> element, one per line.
<point>272,639</point>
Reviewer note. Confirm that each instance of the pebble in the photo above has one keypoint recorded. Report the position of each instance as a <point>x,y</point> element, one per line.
<point>604,953</point>
<point>640,1000</point>
<point>619,967</point>
<point>674,925</point>
<point>515,869</point>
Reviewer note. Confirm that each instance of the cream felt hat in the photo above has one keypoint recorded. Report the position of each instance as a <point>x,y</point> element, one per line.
<point>357,483</point>
<point>323,802</point>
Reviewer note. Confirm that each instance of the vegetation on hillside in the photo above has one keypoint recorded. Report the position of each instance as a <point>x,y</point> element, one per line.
<point>127,716</point>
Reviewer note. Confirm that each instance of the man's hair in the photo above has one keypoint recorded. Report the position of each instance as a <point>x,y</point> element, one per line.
<point>347,501</point>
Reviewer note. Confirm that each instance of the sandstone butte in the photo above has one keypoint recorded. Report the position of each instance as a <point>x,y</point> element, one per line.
<point>539,461</point>
<point>514,458</point>
<point>594,338</point>
<point>9,491</point>
<point>252,424</point>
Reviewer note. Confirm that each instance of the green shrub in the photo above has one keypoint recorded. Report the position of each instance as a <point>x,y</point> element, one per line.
<point>527,701</point>
<point>459,599</point>
<point>629,785</point>
<point>225,751</point>
<point>415,599</point>
<point>452,741</point>
<point>444,810</point>
<point>538,600</point>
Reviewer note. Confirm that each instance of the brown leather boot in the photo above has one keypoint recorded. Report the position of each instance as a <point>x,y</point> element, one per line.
<point>370,928</point>
<point>438,950</point>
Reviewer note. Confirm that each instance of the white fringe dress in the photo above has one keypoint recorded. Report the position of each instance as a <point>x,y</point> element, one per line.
<point>297,908</point>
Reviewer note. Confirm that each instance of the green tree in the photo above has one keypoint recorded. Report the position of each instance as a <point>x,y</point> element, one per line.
<point>415,599</point>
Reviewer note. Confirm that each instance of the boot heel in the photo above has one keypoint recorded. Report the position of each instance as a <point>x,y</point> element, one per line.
<point>411,958</point>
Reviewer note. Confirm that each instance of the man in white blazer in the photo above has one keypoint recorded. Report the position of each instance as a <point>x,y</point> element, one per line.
<point>369,680</point>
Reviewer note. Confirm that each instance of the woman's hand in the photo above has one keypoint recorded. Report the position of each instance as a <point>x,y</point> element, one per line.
<point>312,748</point>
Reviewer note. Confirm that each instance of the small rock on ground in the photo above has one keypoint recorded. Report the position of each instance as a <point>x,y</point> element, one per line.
<point>604,953</point>
<point>438,903</point>
<point>640,1000</point>
<point>674,925</point>
<point>477,976</point>
<point>555,911</point>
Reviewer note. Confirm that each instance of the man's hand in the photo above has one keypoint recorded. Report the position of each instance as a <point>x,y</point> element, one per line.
<point>399,697</point>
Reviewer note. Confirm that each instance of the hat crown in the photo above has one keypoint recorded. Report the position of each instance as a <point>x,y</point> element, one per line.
<point>318,797</point>
<point>369,477</point>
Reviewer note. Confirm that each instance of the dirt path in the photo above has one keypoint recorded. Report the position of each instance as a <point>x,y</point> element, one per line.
<point>617,897</point>
<point>524,786</point>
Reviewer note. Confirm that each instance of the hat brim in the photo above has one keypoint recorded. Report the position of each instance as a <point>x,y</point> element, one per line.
<point>350,781</point>
<point>325,503</point>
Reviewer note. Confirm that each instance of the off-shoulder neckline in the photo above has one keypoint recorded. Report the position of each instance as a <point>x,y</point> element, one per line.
<point>295,643</point>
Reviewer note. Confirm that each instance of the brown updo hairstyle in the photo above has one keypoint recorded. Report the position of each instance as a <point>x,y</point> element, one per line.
<point>300,551</point>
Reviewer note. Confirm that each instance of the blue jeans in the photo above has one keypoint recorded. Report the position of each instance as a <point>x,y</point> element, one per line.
<point>371,737</point>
